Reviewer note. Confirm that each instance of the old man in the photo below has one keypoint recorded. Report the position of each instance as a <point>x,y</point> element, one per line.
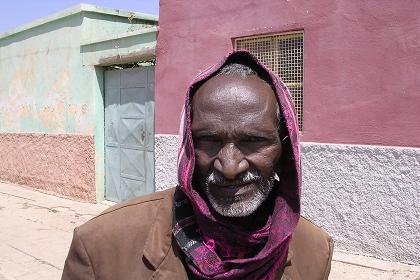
<point>235,213</point>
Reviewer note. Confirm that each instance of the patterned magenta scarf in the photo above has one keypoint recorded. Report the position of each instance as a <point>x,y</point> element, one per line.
<point>215,247</point>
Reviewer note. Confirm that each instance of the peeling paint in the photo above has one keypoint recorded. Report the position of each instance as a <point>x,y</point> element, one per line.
<point>47,117</point>
<point>72,110</point>
<point>84,108</point>
<point>44,87</point>
<point>41,84</point>
<point>25,110</point>
<point>59,106</point>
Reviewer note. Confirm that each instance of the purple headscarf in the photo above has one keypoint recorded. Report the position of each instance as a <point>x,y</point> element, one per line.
<point>215,247</point>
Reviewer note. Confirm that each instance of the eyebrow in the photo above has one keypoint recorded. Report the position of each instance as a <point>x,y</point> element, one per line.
<point>201,133</point>
<point>212,133</point>
<point>258,134</point>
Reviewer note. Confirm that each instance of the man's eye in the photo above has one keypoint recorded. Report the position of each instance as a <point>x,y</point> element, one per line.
<point>208,139</point>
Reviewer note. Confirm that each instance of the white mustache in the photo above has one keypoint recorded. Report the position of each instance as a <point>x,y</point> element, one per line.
<point>215,178</point>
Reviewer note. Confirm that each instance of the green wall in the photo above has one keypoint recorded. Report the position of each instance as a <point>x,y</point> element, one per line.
<point>41,80</point>
<point>44,86</point>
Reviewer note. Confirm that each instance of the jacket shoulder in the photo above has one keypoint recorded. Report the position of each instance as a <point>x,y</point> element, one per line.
<point>111,245</point>
<point>138,202</point>
<point>311,248</point>
<point>133,214</point>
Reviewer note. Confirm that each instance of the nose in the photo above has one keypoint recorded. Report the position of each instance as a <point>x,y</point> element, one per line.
<point>230,162</point>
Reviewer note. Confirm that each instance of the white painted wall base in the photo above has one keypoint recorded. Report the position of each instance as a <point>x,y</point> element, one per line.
<point>366,197</point>
<point>166,155</point>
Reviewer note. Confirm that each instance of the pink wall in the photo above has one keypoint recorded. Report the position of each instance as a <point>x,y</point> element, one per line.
<point>362,60</point>
<point>61,164</point>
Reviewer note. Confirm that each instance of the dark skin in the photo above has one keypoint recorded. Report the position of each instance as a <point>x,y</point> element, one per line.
<point>234,130</point>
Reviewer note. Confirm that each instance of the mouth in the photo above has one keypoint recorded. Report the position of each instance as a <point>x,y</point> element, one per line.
<point>232,185</point>
<point>232,191</point>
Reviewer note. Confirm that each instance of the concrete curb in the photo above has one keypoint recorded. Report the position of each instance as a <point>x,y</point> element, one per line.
<point>370,262</point>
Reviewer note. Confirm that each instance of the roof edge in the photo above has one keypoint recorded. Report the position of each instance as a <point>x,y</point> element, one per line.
<point>117,36</point>
<point>78,9</point>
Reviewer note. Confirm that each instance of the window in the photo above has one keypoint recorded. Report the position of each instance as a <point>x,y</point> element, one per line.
<point>283,54</point>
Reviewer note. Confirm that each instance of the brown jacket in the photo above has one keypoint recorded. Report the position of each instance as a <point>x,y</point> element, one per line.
<point>133,240</point>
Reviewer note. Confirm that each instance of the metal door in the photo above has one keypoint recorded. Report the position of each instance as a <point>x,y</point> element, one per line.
<point>129,132</point>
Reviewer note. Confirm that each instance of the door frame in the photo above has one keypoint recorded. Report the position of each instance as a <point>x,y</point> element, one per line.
<point>99,122</point>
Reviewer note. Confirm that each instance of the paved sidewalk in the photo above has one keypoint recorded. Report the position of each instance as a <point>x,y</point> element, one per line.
<point>36,231</point>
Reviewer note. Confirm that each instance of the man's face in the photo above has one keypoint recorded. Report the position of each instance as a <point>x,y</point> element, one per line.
<point>236,142</point>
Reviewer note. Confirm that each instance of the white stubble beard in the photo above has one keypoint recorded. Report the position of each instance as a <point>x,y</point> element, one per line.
<point>236,207</point>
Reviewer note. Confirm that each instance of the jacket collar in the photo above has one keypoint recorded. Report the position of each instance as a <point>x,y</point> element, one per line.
<point>158,241</point>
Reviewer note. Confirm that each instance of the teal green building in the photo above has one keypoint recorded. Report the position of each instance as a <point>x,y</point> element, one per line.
<point>53,100</point>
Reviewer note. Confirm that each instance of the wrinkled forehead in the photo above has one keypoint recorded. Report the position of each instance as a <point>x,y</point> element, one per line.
<point>236,66</point>
<point>234,99</point>
<point>235,89</point>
